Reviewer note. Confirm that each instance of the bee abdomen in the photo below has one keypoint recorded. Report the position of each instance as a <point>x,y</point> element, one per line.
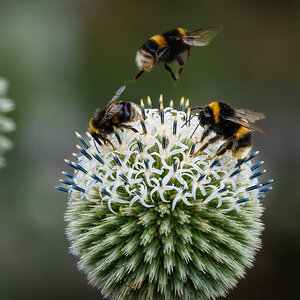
<point>135,112</point>
<point>130,112</point>
<point>244,140</point>
<point>150,47</point>
<point>243,132</point>
<point>243,145</point>
<point>159,40</point>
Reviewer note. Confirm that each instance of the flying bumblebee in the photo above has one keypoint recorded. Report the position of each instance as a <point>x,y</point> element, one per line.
<point>116,114</point>
<point>229,124</point>
<point>168,46</point>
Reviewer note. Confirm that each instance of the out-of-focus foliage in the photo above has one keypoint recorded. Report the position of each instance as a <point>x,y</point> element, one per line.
<point>6,124</point>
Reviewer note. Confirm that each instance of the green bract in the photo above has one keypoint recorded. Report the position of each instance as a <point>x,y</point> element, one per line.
<point>150,220</point>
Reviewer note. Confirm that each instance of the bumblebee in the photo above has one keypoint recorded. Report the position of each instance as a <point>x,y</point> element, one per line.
<point>168,46</point>
<point>229,124</point>
<point>116,114</point>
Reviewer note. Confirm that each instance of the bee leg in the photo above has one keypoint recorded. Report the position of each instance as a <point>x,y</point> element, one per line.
<point>167,67</point>
<point>159,56</point>
<point>210,141</point>
<point>189,52</point>
<point>227,146</point>
<point>204,135</point>
<point>138,75</point>
<point>181,64</point>
<point>130,127</point>
<point>107,140</point>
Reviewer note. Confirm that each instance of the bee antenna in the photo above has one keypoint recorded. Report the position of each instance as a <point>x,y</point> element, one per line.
<point>189,120</point>
<point>195,130</point>
<point>197,107</point>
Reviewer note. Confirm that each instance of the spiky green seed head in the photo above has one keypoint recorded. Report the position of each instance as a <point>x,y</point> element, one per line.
<point>150,220</point>
<point>6,124</point>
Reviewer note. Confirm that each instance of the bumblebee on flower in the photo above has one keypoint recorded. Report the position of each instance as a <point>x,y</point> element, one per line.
<point>137,209</point>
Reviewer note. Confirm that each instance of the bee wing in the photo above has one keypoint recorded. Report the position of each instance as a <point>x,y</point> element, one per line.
<point>112,109</point>
<point>201,37</point>
<point>117,94</point>
<point>250,115</point>
<point>244,124</point>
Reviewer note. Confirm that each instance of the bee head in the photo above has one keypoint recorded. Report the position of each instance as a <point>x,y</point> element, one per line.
<point>96,136</point>
<point>94,131</point>
<point>206,116</point>
<point>144,60</point>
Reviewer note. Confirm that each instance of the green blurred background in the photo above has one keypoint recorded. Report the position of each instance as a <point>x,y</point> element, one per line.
<point>65,58</point>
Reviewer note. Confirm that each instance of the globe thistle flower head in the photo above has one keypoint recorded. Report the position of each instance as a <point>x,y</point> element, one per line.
<point>6,124</point>
<point>151,220</point>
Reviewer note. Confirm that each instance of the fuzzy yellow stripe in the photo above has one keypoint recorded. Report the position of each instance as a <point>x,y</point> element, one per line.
<point>181,31</point>
<point>159,40</point>
<point>93,128</point>
<point>242,130</point>
<point>216,110</point>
